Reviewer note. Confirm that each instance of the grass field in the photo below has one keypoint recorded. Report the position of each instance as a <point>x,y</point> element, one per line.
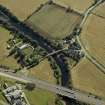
<point>40,97</point>
<point>93,37</point>
<point>100,10</point>
<point>22,8</point>
<point>2,99</point>
<point>27,51</point>
<point>10,61</point>
<point>86,77</point>
<point>78,5</point>
<point>53,21</point>
<point>43,71</point>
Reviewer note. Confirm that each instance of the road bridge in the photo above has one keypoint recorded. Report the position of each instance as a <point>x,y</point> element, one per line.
<point>53,53</point>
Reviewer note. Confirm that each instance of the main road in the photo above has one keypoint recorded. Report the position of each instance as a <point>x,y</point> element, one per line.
<point>70,93</point>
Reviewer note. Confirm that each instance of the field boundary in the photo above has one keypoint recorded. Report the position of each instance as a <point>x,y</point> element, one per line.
<point>45,34</point>
<point>64,9</point>
<point>92,57</point>
<point>37,10</point>
<point>40,31</point>
<point>103,17</point>
<point>56,4</point>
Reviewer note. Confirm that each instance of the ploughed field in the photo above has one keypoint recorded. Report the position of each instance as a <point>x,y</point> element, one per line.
<point>78,5</point>
<point>53,21</point>
<point>22,8</point>
<point>87,77</point>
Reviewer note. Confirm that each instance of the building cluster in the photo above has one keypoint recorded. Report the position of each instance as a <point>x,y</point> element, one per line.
<point>15,95</point>
<point>75,54</point>
<point>23,53</point>
<point>74,50</point>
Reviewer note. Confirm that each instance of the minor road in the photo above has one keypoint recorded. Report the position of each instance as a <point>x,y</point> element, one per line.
<point>88,11</point>
<point>53,53</point>
<point>86,14</point>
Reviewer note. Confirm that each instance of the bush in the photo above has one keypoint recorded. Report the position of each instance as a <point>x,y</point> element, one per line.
<point>58,102</point>
<point>30,86</point>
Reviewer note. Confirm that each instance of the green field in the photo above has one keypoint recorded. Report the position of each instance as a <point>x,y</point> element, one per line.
<point>27,51</point>
<point>4,60</point>
<point>40,97</point>
<point>53,21</point>
<point>2,99</point>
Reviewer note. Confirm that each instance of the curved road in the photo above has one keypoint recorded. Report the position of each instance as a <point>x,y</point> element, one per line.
<point>95,62</point>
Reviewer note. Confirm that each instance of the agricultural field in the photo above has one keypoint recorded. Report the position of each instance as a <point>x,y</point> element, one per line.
<point>100,11</point>
<point>4,60</point>
<point>22,8</point>
<point>43,71</point>
<point>93,37</point>
<point>48,23</point>
<point>86,77</point>
<point>78,5</point>
<point>40,97</point>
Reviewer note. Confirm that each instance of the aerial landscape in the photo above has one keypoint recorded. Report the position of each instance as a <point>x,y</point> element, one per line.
<point>52,52</point>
